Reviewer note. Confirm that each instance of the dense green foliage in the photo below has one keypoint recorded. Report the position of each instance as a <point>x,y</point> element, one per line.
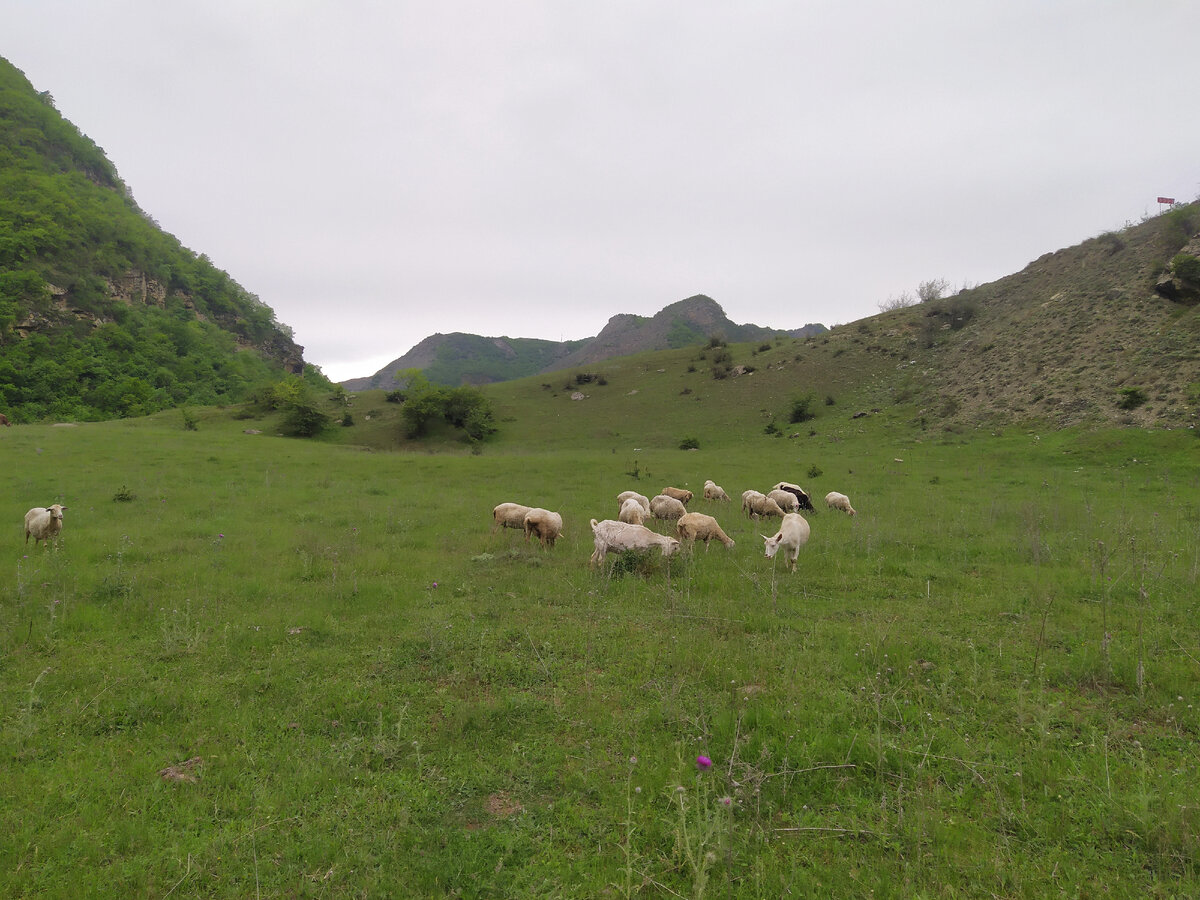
<point>463,407</point>
<point>102,314</point>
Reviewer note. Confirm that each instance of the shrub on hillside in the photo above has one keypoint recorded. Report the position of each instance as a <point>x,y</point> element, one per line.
<point>304,419</point>
<point>801,410</point>
<point>1186,267</point>
<point>1131,398</point>
<point>689,443</point>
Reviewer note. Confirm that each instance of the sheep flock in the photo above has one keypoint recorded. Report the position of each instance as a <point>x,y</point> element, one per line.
<point>637,516</point>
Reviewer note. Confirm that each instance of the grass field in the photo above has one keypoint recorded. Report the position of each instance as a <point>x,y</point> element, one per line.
<point>984,685</point>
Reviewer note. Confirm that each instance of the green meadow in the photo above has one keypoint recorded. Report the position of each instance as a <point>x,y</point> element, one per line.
<point>268,667</point>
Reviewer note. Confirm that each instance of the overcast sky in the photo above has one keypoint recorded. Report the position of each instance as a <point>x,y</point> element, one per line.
<point>380,170</point>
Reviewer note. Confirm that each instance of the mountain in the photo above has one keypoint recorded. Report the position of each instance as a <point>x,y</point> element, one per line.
<point>102,313</point>
<point>465,358</point>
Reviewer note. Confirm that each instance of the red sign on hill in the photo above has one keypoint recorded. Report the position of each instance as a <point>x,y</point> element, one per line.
<point>1168,200</point>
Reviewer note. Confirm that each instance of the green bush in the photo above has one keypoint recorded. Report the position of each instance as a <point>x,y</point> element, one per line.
<point>304,419</point>
<point>689,443</point>
<point>1187,267</point>
<point>1131,398</point>
<point>801,410</point>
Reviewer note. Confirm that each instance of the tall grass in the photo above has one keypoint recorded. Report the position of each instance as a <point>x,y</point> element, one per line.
<point>983,684</point>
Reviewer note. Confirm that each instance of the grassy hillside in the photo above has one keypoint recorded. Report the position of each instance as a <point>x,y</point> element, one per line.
<point>102,314</point>
<point>288,668</point>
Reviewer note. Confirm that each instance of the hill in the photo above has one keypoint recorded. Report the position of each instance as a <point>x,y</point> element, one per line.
<point>454,359</point>
<point>102,313</point>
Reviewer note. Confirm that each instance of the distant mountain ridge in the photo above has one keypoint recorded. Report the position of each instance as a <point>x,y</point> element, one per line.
<point>458,358</point>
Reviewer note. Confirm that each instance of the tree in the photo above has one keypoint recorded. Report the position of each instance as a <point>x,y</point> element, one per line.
<point>934,289</point>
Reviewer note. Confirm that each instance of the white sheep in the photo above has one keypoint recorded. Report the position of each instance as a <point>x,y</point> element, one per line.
<point>680,494</point>
<point>664,507</point>
<point>44,524</point>
<point>621,536</point>
<point>798,492</point>
<point>543,524</point>
<point>509,515</point>
<point>713,491</point>
<point>640,498</point>
<point>835,500</point>
<point>793,534</point>
<point>764,506</point>
<point>748,497</point>
<point>632,512</point>
<point>696,526</point>
<point>787,501</point>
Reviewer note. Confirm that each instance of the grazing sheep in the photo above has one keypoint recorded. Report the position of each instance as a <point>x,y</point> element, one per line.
<point>543,524</point>
<point>621,536</point>
<point>798,492</point>
<point>696,526</point>
<point>684,497</point>
<point>713,491</point>
<point>44,523</point>
<point>632,512</point>
<point>787,501</point>
<point>509,515</point>
<point>748,497</point>
<point>4,421</point>
<point>764,506</point>
<point>640,498</point>
<point>793,534</point>
<point>664,507</point>
<point>839,501</point>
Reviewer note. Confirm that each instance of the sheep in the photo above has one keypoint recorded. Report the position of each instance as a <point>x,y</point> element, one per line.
<point>695,526</point>
<point>544,524</point>
<point>793,534</point>
<point>4,421</point>
<point>509,515</point>
<point>621,536</point>
<point>713,491</point>
<point>640,498</point>
<point>683,496</point>
<point>632,512</point>
<point>764,506</point>
<point>800,493</point>
<point>787,501</point>
<point>44,523</point>
<point>748,497</point>
<point>835,500</point>
<point>664,507</point>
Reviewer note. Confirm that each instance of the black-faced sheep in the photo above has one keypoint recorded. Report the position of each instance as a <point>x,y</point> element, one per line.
<point>798,492</point>
<point>683,496</point>
<point>632,513</point>
<point>621,536</point>
<point>793,534</point>
<point>834,500</point>
<point>664,507</point>
<point>696,526</point>
<point>44,524</point>
<point>713,491</point>
<point>543,524</point>
<point>509,515</point>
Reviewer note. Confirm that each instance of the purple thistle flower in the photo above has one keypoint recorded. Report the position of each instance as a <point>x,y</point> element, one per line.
<point>703,762</point>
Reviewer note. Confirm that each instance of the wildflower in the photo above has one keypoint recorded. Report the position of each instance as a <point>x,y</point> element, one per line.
<point>633,759</point>
<point>703,762</point>
<point>726,801</point>
<point>435,584</point>
<point>220,535</point>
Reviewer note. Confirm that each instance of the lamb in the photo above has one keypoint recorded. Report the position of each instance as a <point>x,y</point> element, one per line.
<point>640,498</point>
<point>509,515</point>
<point>793,534</point>
<point>800,493</point>
<point>44,523</point>
<point>787,501</point>
<point>835,500</point>
<point>543,524</point>
<point>664,507</point>
<point>764,506</point>
<point>713,491</point>
<point>696,526</point>
<point>621,536</point>
<point>632,512</point>
<point>683,496</point>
